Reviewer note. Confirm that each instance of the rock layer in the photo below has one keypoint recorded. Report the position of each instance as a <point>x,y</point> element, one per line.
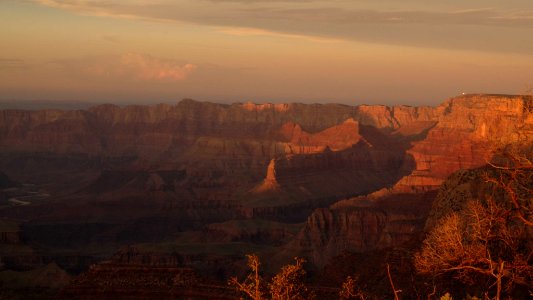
<point>145,173</point>
<point>361,226</point>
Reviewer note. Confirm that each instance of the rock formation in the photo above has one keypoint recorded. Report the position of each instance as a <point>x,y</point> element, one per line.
<point>336,138</point>
<point>357,178</point>
<point>460,133</point>
<point>362,226</point>
<point>270,183</point>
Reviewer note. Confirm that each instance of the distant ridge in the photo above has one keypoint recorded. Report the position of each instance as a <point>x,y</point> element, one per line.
<point>45,104</point>
<point>250,105</point>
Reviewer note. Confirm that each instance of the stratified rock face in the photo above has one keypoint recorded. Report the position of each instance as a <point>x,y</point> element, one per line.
<point>460,134</point>
<point>336,138</point>
<point>467,131</point>
<point>457,131</point>
<point>222,152</point>
<point>141,173</point>
<point>201,184</point>
<point>360,226</point>
<point>164,131</point>
<point>444,151</point>
<point>54,131</point>
<point>217,145</point>
<point>334,233</point>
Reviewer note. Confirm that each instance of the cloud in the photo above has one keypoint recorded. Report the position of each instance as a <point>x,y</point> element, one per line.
<point>454,25</point>
<point>146,67</point>
<point>219,12</point>
<point>346,16</point>
<point>130,66</point>
<point>237,31</point>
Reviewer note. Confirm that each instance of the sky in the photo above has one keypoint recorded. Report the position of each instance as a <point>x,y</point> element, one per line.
<point>414,52</point>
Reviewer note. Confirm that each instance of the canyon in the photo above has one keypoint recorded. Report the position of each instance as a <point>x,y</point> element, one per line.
<point>191,188</point>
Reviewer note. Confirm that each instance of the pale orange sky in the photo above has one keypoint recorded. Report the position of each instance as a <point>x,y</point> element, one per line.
<point>139,51</point>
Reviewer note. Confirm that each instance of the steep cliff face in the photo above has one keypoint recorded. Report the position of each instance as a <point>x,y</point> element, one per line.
<point>223,150</point>
<point>208,140</point>
<point>54,131</point>
<point>336,138</point>
<point>481,115</point>
<point>468,130</point>
<point>149,130</point>
<point>142,173</point>
<point>362,225</point>
<point>460,133</point>
<point>358,170</point>
<point>324,233</point>
<point>318,153</point>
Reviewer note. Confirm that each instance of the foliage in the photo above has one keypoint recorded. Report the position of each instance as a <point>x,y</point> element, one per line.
<point>350,290</point>
<point>515,177</point>
<point>481,241</point>
<point>446,296</point>
<point>288,283</point>
<point>253,286</point>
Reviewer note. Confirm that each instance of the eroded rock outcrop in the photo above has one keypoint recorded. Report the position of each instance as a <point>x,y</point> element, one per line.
<point>151,130</point>
<point>362,225</point>
<point>336,138</point>
<point>270,184</point>
<point>142,173</point>
<point>468,130</point>
<point>460,133</point>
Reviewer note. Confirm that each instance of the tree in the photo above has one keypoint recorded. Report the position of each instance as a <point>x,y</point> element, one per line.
<point>253,286</point>
<point>514,175</point>
<point>350,290</point>
<point>288,284</point>
<point>484,240</point>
